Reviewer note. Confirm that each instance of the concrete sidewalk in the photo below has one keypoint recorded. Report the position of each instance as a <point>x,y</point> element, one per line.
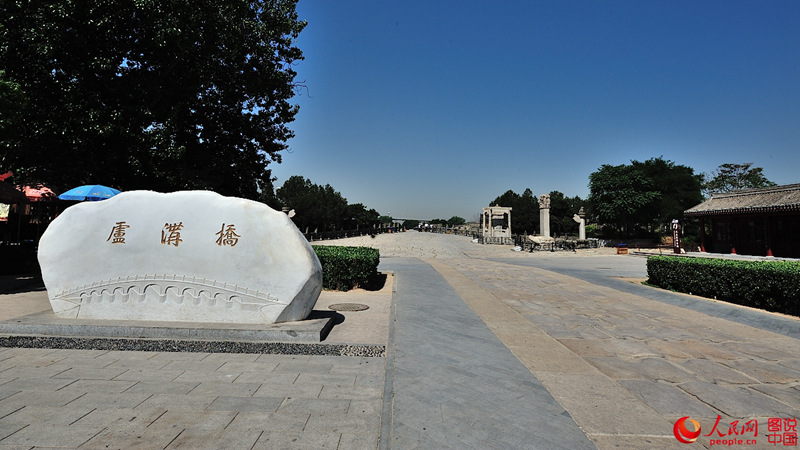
<point>483,351</point>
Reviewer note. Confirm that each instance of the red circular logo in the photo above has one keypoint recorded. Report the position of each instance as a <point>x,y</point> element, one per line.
<point>683,434</point>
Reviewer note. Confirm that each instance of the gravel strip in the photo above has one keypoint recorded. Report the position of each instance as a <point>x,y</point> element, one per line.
<point>168,345</point>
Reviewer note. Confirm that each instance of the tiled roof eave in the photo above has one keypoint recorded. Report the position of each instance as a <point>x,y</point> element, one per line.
<point>746,210</point>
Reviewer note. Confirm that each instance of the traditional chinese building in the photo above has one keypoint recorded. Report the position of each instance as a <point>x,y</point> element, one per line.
<point>762,222</point>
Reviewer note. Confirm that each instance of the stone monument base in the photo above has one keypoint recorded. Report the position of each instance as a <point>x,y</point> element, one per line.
<point>45,323</point>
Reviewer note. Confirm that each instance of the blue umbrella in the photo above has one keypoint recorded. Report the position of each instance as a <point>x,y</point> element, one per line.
<point>91,193</point>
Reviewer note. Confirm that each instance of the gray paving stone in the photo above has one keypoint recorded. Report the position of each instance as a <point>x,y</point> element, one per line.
<point>224,403</point>
<point>38,384</point>
<point>312,405</point>
<point>267,378</point>
<point>274,422</point>
<point>178,402</point>
<point>154,387</point>
<point>108,400</point>
<point>640,369</point>
<point>203,365</point>
<point>98,386</point>
<point>32,371</point>
<point>351,392</point>
<point>147,374</point>
<point>358,441</point>
<point>232,358</point>
<point>41,398</point>
<point>436,343</point>
<point>289,390</point>
<point>306,367</point>
<point>282,358</point>
<point>666,399</point>
<point>212,439</point>
<point>119,418</point>
<point>134,438</point>
<point>768,353</point>
<point>208,376</point>
<point>282,440</point>
<point>62,416</point>
<point>196,420</point>
<point>788,394</point>
<point>248,366</point>
<point>343,423</point>
<point>226,389</point>
<point>327,379</point>
<point>737,401</point>
<point>49,435</point>
<point>714,372</point>
<point>765,372</point>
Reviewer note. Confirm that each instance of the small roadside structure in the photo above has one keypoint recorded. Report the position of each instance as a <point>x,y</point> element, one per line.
<point>760,222</point>
<point>496,225</point>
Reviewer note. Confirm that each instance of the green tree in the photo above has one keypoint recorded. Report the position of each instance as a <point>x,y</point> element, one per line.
<point>456,220</point>
<point>357,216</point>
<point>11,102</point>
<point>619,194</point>
<point>301,195</point>
<point>730,177</point>
<point>643,196</point>
<point>562,209</point>
<point>524,210</point>
<point>162,95</point>
<point>679,188</point>
<point>410,224</point>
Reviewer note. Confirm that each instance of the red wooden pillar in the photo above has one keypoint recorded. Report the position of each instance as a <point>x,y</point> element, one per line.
<point>703,234</point>
<point>768,235</point>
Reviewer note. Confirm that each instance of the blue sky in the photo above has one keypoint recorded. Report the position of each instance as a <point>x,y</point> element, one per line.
<point>427,109</point>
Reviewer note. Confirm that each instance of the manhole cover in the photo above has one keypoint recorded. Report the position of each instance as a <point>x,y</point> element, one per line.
<point>348,307</point>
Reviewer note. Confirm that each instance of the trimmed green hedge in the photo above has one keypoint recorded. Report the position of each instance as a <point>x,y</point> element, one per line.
<point>769,285</point>
<point>344,268</point>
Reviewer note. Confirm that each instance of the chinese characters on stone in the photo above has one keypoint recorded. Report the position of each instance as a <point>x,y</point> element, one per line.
<point>171,234</point>
<point>227,236</point>
<point>118,233</point>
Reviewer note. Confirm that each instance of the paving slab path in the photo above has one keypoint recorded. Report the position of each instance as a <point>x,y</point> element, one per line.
<point>486,348</point>
<point>624,361</point>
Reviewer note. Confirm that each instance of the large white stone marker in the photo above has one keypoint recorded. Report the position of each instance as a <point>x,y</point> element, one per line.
<point>192,256</point>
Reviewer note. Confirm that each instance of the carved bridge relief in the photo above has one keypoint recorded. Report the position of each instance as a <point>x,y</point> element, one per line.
<point>135,297</point>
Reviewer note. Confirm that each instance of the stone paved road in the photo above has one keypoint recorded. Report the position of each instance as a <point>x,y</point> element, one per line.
<point>488,348</point>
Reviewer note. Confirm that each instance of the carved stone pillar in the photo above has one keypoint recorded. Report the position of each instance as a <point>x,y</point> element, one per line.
<point>544,215</point>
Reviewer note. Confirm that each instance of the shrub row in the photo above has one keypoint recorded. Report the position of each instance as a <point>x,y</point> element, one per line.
<point>344,268</point>
<point>769,285</point>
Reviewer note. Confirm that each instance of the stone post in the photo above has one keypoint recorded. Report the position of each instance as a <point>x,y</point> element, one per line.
<point>582,227</point>
<point>544,215</point>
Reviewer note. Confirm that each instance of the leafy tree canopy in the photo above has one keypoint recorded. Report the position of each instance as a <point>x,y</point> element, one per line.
<point>410,224</point>
<point>730,177</point>
<point>562,209</point>
<point>456,220</point>
<point>524,210</point>
<point>645,194</point>
<point>322,208</point>
<point>162,95</point>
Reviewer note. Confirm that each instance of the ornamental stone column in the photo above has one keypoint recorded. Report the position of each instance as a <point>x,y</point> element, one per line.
<point>544,215</point>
